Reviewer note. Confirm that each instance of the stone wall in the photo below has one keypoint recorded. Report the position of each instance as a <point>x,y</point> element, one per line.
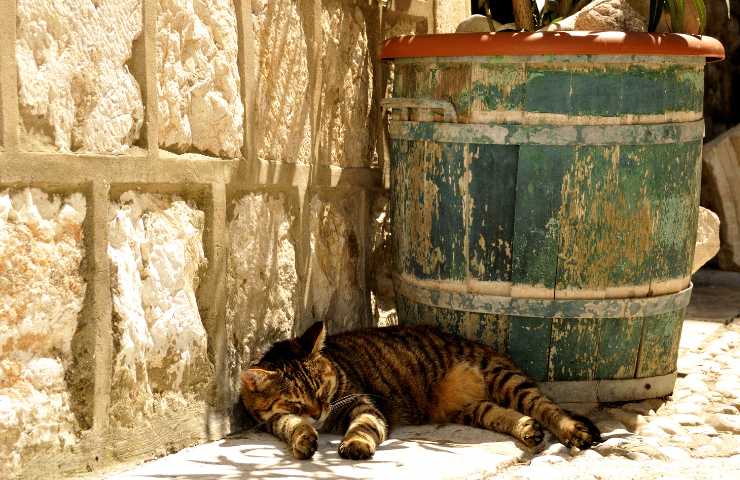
<point>181,184</point>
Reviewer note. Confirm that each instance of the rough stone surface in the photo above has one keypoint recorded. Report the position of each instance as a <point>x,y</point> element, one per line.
<point>336,284</point>
<point>75,90</point>
<point>603,15</point>
<point>346,95</point>
<point>156,253</point>
<point>283,110</point>
<point>382,296</point>
<point>197,77</point>
<point>261,278</point>
<point>719,193</point>
<point>707,238</point>
<point>41,295</point>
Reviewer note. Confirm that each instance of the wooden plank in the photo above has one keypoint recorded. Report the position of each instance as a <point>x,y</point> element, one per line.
<point>407,311</point>
<point>597,91</point>
<point>492,330</point>
<point>619,345</point>
<point>435,212</point>
<point>659,346</point>
<point>492,192</point>
<point>574,349</point>
<point>536,231</point>
<point>451,321</point>
<point>498,86</point>
<point>529,345</point>
<point>672,192</point>
<point>605,226</point>
<point>650,83</point>
<point>452,82</point>
<point>548,89</point>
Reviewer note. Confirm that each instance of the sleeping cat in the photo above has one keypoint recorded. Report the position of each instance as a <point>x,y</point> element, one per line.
<point>362,383</point>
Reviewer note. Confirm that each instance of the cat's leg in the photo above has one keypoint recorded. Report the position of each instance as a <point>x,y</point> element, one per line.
<point>297,432</point>
<point>490,416</point>
<point>366,429</point>
<point>510,387</point>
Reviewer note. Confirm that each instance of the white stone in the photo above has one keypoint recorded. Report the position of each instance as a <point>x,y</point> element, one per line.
<point>687,419</point>
<point>547,459</point>
<point>198,83</point>
<point>281,91</point>
<point>261,278</point>
<point>156,253</point>
<point>345,128</point>
<point>41,294</point>
<point>668,425</point>
<point>603,15</point>
<point>335,285</point>
<point>75,90</point>
<point>694,382</point>
<point>674,453</point>
<point>707,238</point>
<point>725,423</point>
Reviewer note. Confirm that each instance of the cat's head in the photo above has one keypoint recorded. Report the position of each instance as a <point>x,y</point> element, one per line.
<point>292,377</point>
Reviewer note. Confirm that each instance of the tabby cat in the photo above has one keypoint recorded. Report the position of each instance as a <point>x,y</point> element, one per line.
<point>362,383</point>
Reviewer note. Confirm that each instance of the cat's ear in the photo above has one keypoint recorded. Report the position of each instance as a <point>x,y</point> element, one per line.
<point>312,339</point>
<point>256,379</point>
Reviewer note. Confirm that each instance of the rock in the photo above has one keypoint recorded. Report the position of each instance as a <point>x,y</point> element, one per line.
<point>261,279</point>
<point>724,423</point>
<point>705,451</point>
<point>156,253</point>
<point>547,459</point>
<point>481,23</point>
<point>720,177</point>
<point>668,425</point>
<point>694,382</point>
<point>652,430</point>
<point>198,78</point>
<point>557,449</point>
<point>336,288</point>
<point>707,238</point>
<point>611,426</point>
<point>674,453</point>
<point>42,290</point>
<point>687,419</point>
<point>704,430</point>
<point>75,91</point>
<point>603,15</point>
<point>631,420</point>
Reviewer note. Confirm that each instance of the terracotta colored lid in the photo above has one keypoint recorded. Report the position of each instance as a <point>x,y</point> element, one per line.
<point>552,43</point>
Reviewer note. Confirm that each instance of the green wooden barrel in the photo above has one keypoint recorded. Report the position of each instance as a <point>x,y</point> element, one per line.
<point>545,199</point>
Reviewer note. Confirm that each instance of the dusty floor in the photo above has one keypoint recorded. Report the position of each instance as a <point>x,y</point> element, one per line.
<point>693,434</point>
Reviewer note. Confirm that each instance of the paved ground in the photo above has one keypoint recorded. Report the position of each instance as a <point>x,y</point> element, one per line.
<point>693,434</point>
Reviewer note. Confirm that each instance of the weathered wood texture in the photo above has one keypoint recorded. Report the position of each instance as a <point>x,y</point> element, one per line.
<point>721,193</point>
<point>558,202</point>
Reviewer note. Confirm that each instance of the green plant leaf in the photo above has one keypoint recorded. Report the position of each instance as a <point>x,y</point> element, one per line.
<point>676,7</point>
<point>701,11</point>
<point>656,10</point>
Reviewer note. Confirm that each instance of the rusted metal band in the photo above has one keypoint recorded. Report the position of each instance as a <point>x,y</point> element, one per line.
<point>592,391</point>
<point>515,134</point>
<point>542,308</point>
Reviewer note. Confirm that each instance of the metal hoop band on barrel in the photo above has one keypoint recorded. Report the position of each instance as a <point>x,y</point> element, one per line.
<point>543,308</point>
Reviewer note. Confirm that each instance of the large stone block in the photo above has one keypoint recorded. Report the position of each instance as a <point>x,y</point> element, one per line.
<point>198,78</point>
<point>281,90</point>
<point>41,294</point>
<point>261,278</point>
<point>74,88</point>
<point>336,285</point>
<point>156,254</point>
<point>345,129</point>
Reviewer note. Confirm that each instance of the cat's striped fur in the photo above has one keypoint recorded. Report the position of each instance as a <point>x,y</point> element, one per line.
<point>362,383</point>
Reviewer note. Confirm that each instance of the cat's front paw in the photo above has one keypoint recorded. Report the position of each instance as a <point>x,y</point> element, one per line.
<point>356,448</point>
<point>529,431</point>
<point>304,442</point>
<point>578,431</point>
